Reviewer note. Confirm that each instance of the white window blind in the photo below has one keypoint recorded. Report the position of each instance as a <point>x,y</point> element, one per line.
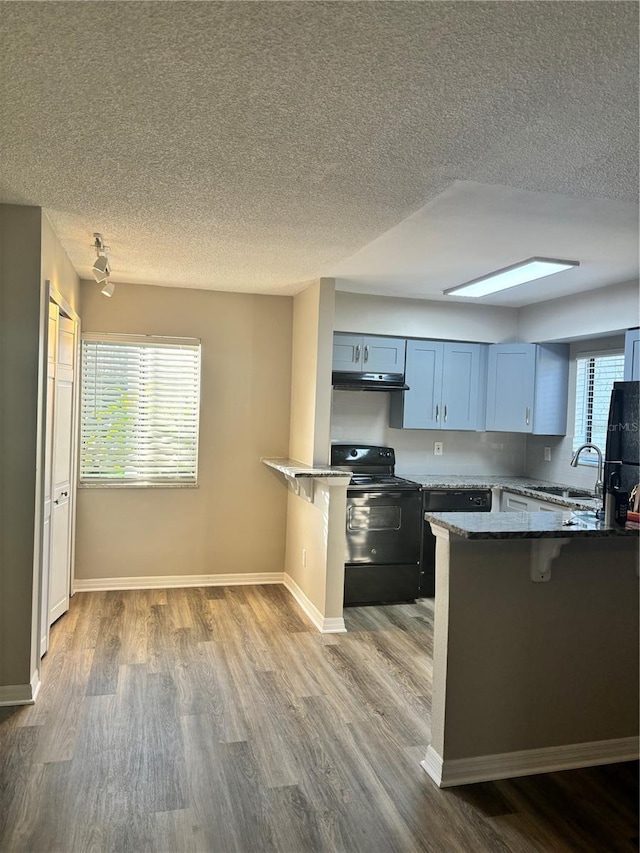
<point>594,382</point>
<point>140,404</point>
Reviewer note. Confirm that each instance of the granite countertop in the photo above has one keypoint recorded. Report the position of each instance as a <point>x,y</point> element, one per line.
<point>525,525</point>
<point>520,485</point>
<point>297,470</point>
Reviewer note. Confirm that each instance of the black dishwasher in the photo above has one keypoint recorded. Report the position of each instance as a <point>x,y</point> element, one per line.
<point>444,500</point>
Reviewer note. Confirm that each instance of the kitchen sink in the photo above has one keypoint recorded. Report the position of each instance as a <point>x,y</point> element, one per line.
<point>563,493</point>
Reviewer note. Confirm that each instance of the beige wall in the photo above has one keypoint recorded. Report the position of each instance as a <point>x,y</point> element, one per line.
<point>313,311</point>
<point>19,360</point>
<point>234,522</point>
<point>29,254</point>
<point>57,268</point>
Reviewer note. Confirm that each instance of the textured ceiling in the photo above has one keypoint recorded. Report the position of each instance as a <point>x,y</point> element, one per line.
<point>252,146</point>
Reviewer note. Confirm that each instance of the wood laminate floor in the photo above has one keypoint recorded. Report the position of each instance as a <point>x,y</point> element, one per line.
<point>218,719</point>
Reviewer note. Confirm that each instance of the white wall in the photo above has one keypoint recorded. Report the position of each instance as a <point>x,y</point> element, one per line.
<point>597,312</point>
<point>363,416</point>
<point>359,416</point>
<point>418,318</point>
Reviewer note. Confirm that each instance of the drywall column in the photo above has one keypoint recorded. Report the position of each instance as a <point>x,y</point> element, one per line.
<point>532,677</point>
<point>310,430</point>
<point>316,576</point>
<point>315,552</point>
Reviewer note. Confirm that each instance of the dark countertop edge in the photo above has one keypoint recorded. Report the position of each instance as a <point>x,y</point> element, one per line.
<point>592,529</point>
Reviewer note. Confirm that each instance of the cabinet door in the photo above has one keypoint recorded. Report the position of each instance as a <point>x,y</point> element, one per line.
<point>460,386</point>
<point>423,375</point>
<point>347,352</point>
<point>383,355</point>
<point>632,355</point>
<point>514,503</point>
<point>511,387</point>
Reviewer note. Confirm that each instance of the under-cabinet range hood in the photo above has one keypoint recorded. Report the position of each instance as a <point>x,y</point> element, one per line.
<point>346,380</point>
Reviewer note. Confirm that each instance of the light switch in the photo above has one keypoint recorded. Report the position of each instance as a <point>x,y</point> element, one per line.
<point>438,448</point>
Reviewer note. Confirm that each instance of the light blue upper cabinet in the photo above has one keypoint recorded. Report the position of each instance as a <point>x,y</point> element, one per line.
<point>527,388</point>
<point>419,408</point>
<point>383,355</point>
<point>368,354</point>
<point>632,355</point>
<point>446,381</point>
<point>347,352</point>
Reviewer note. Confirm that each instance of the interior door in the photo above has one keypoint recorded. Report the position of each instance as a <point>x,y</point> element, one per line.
<point>61,468</point>
<point>48,490</point>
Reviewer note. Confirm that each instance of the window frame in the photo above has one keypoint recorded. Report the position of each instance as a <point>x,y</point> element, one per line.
<point>140,340</point>
<point>589,457</point>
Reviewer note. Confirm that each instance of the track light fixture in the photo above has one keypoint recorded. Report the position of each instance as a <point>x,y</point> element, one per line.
<point>101,269</point>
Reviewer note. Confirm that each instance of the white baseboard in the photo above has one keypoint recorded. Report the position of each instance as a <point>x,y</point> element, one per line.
<point>334,625</point>
<point>20,694</point>
<point>485,768</point>
<point>174,581</point>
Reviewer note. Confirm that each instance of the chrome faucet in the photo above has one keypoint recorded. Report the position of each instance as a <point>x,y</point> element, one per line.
<point>598,489</point>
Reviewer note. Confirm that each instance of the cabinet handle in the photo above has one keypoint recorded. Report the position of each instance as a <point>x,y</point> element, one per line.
<point>357,353</point>
<point>445,412</point>
<point>366,354</point>
<point>527,416</point>
<point>437,413</point>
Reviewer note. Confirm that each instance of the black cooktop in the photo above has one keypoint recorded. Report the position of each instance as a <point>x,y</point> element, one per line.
<point>382,481</point>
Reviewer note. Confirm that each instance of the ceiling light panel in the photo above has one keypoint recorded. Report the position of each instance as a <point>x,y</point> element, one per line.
<point>512,276</point>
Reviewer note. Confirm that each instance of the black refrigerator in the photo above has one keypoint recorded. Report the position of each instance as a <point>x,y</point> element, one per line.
<point>623,434</point>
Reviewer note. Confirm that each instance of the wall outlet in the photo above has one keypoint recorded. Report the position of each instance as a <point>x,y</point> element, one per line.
<point>547,454</point>
<point>438,448</point>
<point>304,558</point>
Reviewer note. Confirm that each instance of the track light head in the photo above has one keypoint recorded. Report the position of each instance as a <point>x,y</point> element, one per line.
<point>101,269</point>
<point>108,289</point>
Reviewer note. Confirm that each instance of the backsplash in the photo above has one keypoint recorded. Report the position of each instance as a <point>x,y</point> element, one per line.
<point>559,470</point>
<point>360,416</point>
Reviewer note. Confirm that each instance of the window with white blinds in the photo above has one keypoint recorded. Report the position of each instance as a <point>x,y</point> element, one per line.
<point>595,376</point>
<point>140,404</point>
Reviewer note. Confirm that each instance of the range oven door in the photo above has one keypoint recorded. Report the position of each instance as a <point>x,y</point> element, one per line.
<point>383,527</point>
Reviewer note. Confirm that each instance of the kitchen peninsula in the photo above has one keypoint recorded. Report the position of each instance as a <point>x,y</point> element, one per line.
<point>535,645</point>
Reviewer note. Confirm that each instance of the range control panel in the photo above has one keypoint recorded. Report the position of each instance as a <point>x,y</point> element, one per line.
<point>366,455</point>
<point>457,500</point>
